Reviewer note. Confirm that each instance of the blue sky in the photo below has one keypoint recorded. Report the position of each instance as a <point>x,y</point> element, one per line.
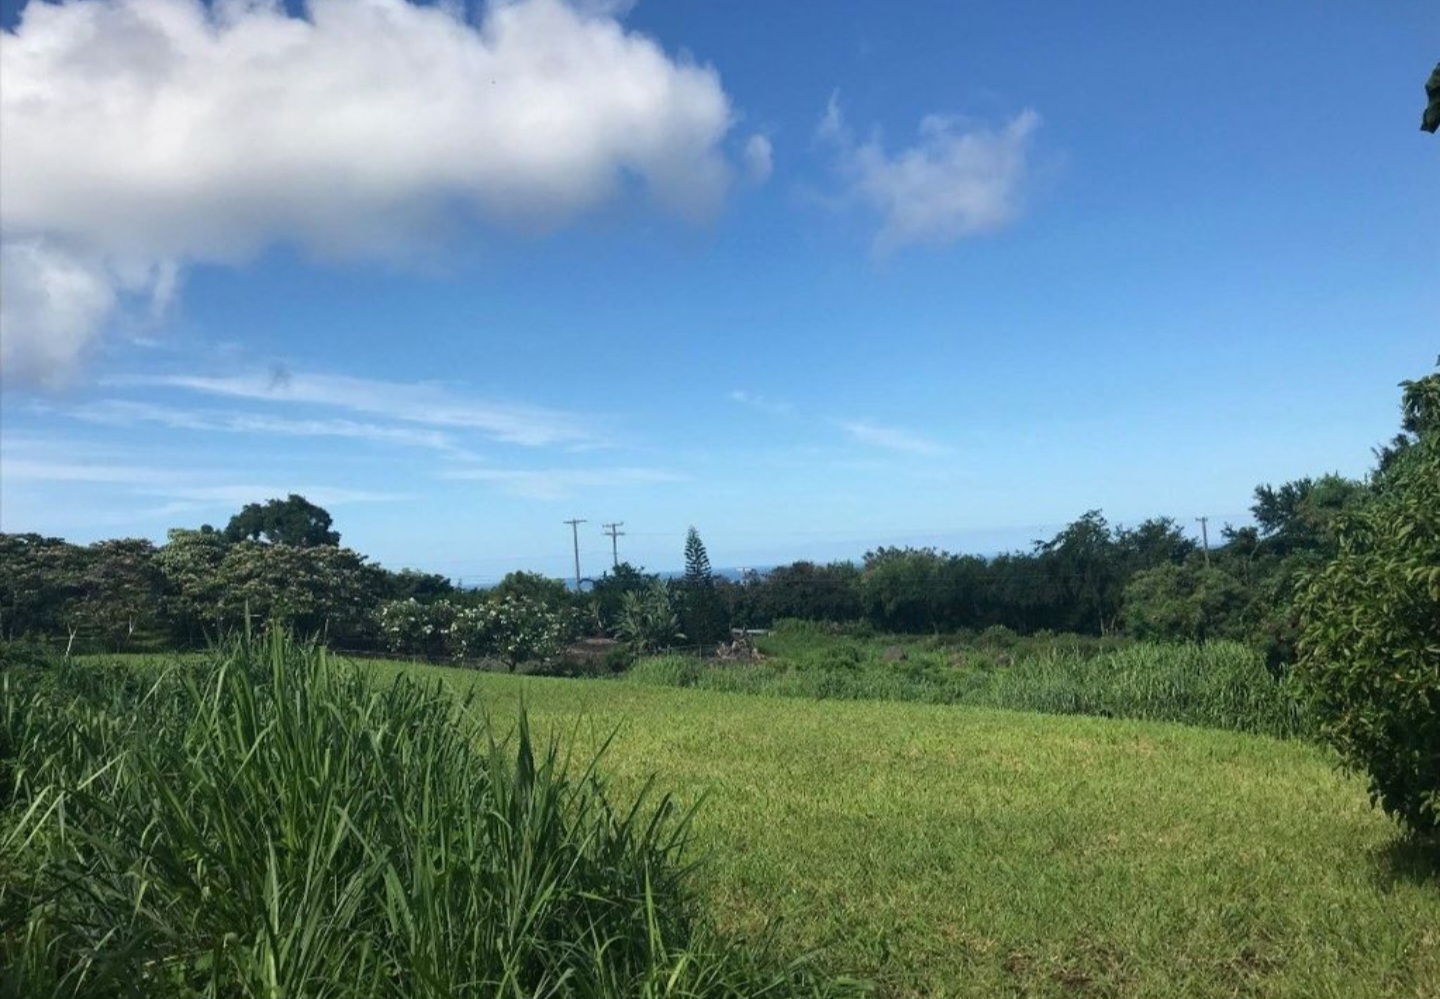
<point>812,278</point>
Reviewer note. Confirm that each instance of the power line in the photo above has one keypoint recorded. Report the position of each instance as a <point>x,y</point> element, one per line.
<point>613,532</point>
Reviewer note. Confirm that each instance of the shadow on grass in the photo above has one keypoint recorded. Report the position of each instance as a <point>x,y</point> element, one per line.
<point>1408,860</point>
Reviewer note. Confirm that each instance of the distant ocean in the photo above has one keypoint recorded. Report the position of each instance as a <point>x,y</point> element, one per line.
<point>734,575</point>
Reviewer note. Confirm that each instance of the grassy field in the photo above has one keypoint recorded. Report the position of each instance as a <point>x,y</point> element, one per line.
<point>960,851</point>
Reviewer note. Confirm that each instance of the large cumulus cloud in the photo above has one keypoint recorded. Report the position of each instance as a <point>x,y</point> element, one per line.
<point>138,136</point>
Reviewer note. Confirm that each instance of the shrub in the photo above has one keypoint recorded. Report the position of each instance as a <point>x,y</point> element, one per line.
<point>1370,641</point>
<point>648,619</point>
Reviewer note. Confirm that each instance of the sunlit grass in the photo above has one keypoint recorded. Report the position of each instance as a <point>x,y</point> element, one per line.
<point>956,851</point>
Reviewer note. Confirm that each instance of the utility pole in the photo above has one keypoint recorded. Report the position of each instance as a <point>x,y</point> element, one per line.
<point>612,531</point>
<point>1205,537</point>
<point>575,536</point>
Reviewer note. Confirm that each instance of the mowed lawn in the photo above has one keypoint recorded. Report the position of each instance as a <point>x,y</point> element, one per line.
<point>945,851</point>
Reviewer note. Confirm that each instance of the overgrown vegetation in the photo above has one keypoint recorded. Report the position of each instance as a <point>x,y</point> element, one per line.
<point>275,824</point>
<point>1220,684</point>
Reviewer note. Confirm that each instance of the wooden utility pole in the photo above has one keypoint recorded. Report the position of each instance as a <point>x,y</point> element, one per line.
<point>1205,537</point>
<point>575,536</point>
<point>612,531</point>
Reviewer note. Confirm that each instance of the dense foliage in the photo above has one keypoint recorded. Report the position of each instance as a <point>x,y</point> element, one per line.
<point>291,521</point>
<point>1371,618</point>
<point>274,824</point>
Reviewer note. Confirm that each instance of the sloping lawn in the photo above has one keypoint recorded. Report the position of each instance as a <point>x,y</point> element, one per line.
<point>948,851</point>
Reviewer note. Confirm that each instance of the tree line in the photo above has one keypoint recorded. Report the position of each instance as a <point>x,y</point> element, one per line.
<point>282,561</point>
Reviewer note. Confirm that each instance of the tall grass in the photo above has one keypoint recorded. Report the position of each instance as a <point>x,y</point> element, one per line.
<point>273,825</point>
<point>1219,685</point>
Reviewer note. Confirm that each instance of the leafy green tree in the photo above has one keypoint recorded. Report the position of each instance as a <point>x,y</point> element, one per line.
<point>552,593</point>
<point>194,591</point>
<point>1155,542</point>
<point>899,588</point>
<point>1086,576</point>
<point>122,587</point>
<point>291,521</point>
<point>1302,515</point>
<point>807,591</point>
<point>1190,602</point>
<point>321,590</point>
<point>606,596</point>
<point>411,583</point>
<point>1370,641</point>
<point>39,578</point>
<point>526,630</point>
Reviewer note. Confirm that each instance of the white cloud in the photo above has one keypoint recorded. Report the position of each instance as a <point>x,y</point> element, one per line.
<point>50,305</point>
<point>959,179</point>
<point>422,403</point>
<point>762,403</point>
<point>125,413</point>
<point>560,483</point>
<point>142,135</point>
<point>759,158</point>
<point>193,486</point>
<point>889,438</point>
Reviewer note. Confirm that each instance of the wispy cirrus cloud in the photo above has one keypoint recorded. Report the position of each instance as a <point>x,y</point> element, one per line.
<point>126,413</point>
<point>191,489</point>
<point>960,178</point>
<point>424,403</point>
<point>890,438</point>
<point>561,483</point>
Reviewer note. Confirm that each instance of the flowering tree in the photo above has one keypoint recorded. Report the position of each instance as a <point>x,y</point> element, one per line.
<point>513,629</point>
<point>411,628</point>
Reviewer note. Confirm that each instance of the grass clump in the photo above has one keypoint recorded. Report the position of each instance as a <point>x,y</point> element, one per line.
<point>274,824</point>
<point>1222,685</point>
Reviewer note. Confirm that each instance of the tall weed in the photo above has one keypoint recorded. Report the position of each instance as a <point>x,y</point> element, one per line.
<point>274,825</point>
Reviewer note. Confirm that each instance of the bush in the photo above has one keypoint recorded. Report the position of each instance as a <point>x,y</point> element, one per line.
<point>1370,641</point>
<point>648,620</point>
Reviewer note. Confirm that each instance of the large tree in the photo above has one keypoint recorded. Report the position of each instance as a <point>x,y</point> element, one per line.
<point>291,521</point>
